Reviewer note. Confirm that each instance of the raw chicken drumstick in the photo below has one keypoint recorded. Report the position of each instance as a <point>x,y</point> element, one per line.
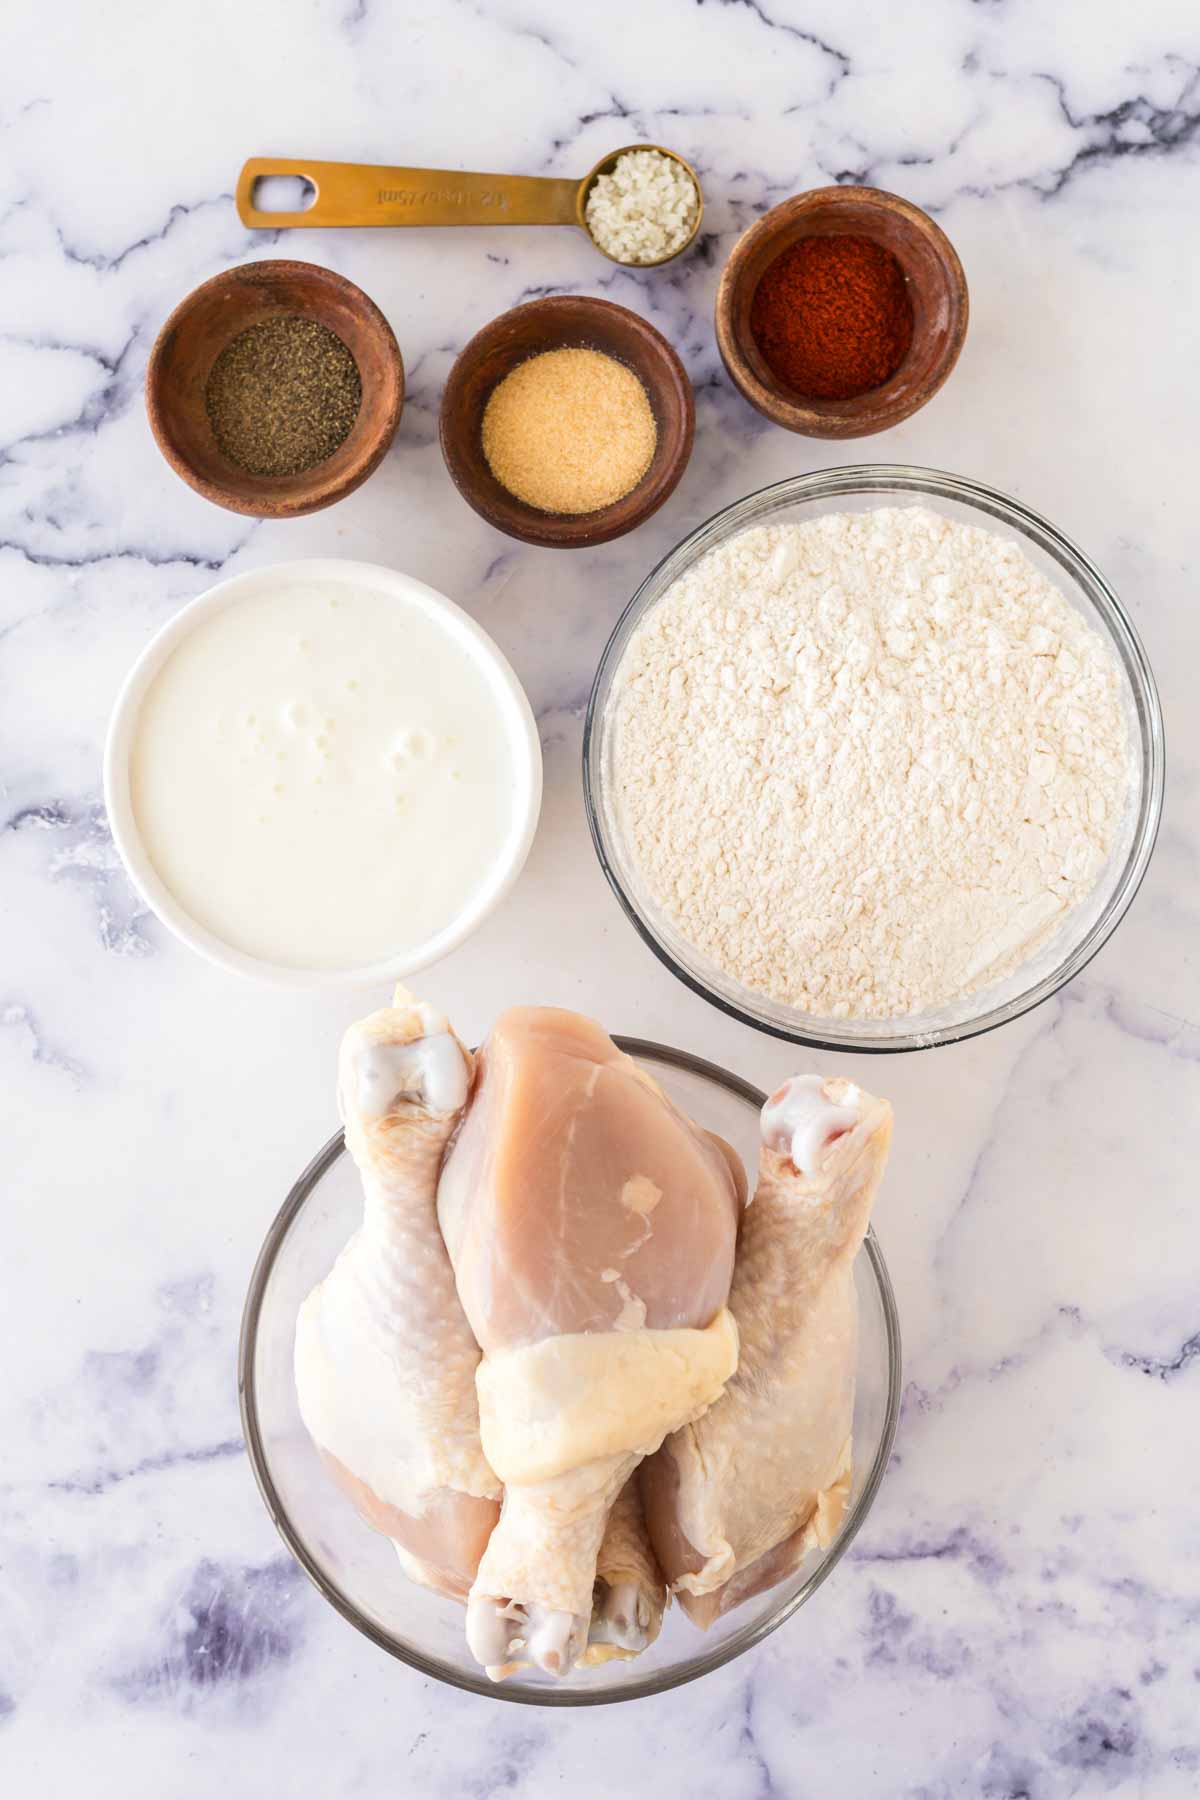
<point>385,1359</point>
<point>735,1500</point>
<point>630,1596</point>
<point>591,1227</point>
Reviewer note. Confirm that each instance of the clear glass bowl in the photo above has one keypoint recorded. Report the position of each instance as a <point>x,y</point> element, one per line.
<point>865,488</point>
<point>357,1570</point>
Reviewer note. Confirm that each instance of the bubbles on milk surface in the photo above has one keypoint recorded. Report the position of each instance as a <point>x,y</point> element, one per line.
<point>413,744</point>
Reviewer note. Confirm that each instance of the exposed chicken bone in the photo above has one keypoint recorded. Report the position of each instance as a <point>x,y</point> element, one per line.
<point>806,1115</point>
<point>505,1636</point>
<point>430,1071</point>
<point>621,1616</point>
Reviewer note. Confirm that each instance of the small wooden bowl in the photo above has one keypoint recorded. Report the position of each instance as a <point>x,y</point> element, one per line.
<point>936,286</point>
<point>560,323</point>
<point>199,329</point>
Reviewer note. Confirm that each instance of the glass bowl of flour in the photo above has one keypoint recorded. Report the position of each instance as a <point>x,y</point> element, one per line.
<point>874,759</point>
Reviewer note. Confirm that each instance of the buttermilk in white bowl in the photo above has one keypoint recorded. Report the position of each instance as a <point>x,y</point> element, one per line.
<point>322,771</point>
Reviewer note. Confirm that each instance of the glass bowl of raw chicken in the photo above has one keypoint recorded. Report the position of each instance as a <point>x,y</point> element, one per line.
<point>571,1368</point>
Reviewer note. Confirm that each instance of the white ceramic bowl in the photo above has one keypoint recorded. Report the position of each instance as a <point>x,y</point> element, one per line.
<point>512,705</point>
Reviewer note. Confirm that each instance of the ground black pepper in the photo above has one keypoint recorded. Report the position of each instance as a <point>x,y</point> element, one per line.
<point>283,395</point>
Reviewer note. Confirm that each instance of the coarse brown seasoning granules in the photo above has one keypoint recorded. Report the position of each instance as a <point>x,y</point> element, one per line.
<point>283,395</point>
<point>569,431</point>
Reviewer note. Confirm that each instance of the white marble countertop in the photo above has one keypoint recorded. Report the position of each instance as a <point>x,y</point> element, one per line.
<point>1021,1615</point>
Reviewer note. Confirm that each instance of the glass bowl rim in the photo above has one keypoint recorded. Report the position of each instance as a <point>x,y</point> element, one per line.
<point>664,1679</point>
<point>847,481</point>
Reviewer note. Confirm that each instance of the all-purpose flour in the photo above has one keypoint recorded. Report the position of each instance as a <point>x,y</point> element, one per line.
<point>867,763</point>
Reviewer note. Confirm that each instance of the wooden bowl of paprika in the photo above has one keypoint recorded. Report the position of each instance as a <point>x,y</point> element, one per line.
<point>841,312</point>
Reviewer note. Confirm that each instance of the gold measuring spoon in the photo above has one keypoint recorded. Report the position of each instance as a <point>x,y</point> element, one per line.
<point>378,194</point>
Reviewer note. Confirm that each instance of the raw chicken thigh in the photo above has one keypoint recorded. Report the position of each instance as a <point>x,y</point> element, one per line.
<point>735,1500</point>
<point>592,1228</point>
<point>385,1359</point>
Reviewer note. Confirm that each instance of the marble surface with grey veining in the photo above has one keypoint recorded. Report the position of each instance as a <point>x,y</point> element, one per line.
<point>1020,1616</point>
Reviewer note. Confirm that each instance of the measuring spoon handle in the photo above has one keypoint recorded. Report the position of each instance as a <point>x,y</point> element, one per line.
<point>380,194</point>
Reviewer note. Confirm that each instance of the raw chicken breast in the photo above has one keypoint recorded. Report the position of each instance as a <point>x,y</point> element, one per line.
<point>576,1197</point>
<point>385,1359</point>
<point>735,1500</point>
<point>592,1228</point>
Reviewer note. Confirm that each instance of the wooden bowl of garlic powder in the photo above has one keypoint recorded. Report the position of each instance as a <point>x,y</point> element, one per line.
<point>567,422</point>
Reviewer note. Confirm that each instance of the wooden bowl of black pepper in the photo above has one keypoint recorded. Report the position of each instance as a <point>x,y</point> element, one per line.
<point>841,312</point>
<point>275,389</point>
<point>651,437</point>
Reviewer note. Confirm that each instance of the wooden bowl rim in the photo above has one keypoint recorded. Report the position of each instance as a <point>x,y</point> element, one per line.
<point>278,496</point>
<point>837,418</point>
<point>573,531</point>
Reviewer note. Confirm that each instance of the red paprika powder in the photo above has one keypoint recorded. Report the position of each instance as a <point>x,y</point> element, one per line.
<point>832,316</point>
